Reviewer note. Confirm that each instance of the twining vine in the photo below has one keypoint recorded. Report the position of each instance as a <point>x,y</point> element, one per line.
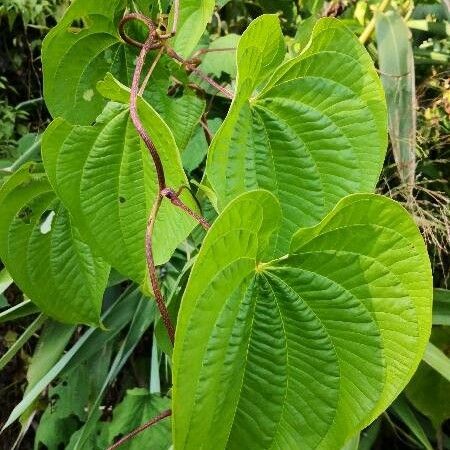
<point>157,39</point>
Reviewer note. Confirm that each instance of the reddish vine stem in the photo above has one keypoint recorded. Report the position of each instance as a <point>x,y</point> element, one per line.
<point>174,198</point>
<point>154,41</point>
<point>140,429</point>
<point>191,66</point>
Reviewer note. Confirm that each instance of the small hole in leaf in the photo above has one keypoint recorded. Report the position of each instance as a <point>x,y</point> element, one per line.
<point>64,383</point>
<point>25,214</point>
<point>122,199</point>
<point>77,25</point>
<point>46,221</point>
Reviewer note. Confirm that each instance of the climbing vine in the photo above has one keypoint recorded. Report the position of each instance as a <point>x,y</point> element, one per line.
<point>308,306</point>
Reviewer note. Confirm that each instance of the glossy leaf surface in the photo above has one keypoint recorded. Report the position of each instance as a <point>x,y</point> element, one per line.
<point>313,133</point>
<point>45,254</point>
<point>305,350</point>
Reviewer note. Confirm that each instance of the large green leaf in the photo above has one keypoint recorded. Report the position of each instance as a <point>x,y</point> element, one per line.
<point>77,53</point>
<point>105,177</point>
<point>45,254</point>
<point>313,134</point>
<point>305,350</point>
<point>193,17</point>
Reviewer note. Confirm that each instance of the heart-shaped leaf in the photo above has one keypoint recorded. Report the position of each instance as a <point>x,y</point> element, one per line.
<point>305,350</point>
<point>105,177</point>
<point>45,254</point>
<point>77,53</point>
<point>313,134</point>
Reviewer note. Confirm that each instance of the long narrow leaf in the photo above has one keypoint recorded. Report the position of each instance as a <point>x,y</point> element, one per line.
<point>23,309</point>
<point>396,63</point>
<point>402,409</point>
<point>115,319</point>
<point>22,340</point>
<point>441,307</point>
<point>5,280</point>
<point>437,360</point>
<point>142,319</point>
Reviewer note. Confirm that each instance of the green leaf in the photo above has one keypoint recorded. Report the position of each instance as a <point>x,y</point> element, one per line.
<point>23,309</point>
<point>436,359</point>
<point>105,177</point>
<point>197,148</point>
<point>138,407</point>
<point>441,307</point>
<point>402,409</point>
<point>91,342</point>
<point>22,340</point>
<point>313,134</point>
<point>5,280</point>
<point>217,62</point>
<point>45,254</point>
<point>306,350</point>
<point>51,345</point>
<point>193,17</point>
<point>396,63</point>
<point>142,319</point>
<point>77,53</point>
<point>429,391</point>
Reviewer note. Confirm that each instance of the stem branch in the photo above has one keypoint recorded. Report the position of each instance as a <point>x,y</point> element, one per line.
<point>153,41</point>
<point>140,429</point>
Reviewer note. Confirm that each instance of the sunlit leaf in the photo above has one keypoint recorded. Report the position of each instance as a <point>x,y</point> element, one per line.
<point>105,177</point>
<point>315,132</point>
<point>306,350</point>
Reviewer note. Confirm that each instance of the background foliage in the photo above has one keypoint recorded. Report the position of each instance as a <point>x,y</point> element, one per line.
<point>126,366</point>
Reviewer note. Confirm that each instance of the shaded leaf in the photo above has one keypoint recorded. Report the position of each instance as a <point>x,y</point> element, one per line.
<point>436,359</point>
<point>45,254</point>
<point>92,341</point>
<point>22,340</point>
<point>138,407</point>
<point>5,280</point>
<point>429,391</point>
<point>223,61</point>
<point>77,53</point>
<point>52,342</point>
<point>142,319</point>
<point>402,409</point>
<point>197,148</point>
<point>23,309</point>
<point>441,307</point>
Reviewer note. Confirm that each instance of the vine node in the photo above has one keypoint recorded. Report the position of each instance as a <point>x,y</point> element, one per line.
<point>154,40</point>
